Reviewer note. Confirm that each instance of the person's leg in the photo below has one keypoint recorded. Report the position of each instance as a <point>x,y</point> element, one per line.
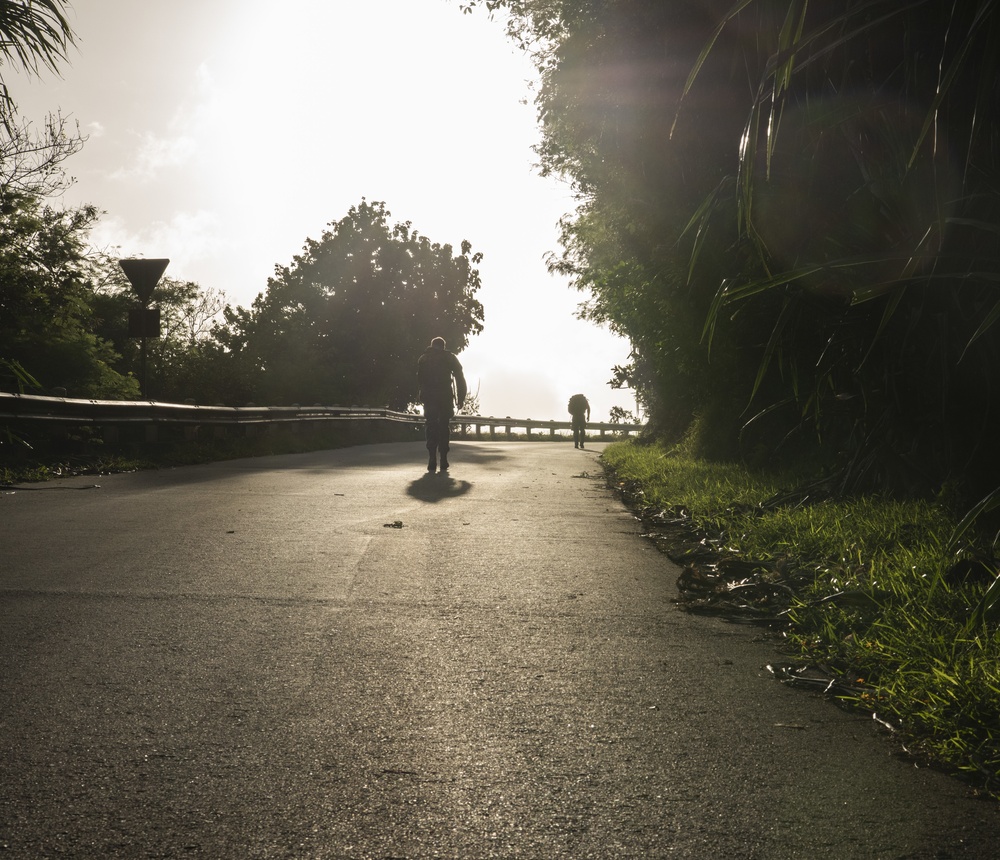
<point>433,431</point>
<point>444,440</point>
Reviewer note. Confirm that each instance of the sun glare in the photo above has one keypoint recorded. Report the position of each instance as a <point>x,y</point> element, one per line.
<point>225,147</point>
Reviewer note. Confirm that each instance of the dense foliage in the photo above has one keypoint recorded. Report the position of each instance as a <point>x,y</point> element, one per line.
<point>177,368</point>
<point>790,208</point>
<point>344,322</point>
<point>46,320</point>
<point>46,336</point>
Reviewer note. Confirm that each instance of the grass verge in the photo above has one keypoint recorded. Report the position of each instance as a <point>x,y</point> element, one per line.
<point>871,601</point>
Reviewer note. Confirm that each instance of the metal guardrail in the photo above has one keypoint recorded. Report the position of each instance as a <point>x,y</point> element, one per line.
<point>111,416</point>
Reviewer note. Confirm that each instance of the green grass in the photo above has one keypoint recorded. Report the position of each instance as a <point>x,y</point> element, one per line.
<point>874,594</point>
<point>24,469</point>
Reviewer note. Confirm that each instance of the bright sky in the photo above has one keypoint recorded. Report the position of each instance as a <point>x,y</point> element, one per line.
<point>223,133</point>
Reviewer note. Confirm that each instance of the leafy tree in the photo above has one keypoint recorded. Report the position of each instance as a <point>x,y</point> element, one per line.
<point>612,75</point>
<point>45,293</point>
<point>790,208</point>
<point>43,306</point>
<point>620,415</point>
<point>345,322</point>
<point>34,36</point>
<point>176,365</point>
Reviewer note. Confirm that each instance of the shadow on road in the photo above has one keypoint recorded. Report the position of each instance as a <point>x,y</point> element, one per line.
<point>389,454</point>
<point>434,488</point>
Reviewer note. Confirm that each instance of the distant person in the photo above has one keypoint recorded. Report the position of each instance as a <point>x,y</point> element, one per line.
<point>579,408</point>
<point>436,370</point>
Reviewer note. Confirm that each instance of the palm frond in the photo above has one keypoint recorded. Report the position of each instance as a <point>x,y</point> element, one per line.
<point>35,35</point>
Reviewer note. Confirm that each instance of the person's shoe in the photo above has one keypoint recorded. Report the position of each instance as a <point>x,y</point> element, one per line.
<point>581,444</point>
<point>444,464</point>
<point>432,464</point>
<point>575,445</point>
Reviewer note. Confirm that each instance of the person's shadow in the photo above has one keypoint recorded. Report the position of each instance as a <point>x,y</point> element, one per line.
<point>434,488</point>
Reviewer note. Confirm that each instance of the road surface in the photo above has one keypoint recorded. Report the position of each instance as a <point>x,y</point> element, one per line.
<point>334,655</point>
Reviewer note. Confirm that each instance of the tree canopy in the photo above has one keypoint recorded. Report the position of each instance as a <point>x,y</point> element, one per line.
<point>177,368</point>
<point>790,208</point>
<point>344,323</point>
<point>46,325</point>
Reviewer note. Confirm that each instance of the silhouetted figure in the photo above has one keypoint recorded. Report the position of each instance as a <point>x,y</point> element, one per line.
<point>436,368</point>
<point>579,408</point>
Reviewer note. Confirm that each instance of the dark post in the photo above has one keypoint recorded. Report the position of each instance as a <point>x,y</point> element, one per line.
<point>144,275</point>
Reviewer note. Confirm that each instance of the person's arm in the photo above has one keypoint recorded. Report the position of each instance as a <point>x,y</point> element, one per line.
<point>460,385</point>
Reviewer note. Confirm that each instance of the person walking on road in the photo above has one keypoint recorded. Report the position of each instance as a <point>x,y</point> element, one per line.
<point>442,388</point>
<point>579,408</point>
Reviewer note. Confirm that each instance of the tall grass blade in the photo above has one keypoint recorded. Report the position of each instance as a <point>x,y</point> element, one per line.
<point>988,610</point>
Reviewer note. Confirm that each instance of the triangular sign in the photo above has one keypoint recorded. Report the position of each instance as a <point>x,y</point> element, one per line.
<point>144,275</point>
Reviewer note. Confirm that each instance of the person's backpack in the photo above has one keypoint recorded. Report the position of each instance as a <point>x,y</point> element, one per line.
<point>577,405</point>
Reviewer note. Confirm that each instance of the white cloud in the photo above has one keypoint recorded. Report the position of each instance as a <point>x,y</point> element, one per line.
<point>154,154</point>
<point>191,235</point>
<point>188,239</point>
<point>185,135</point>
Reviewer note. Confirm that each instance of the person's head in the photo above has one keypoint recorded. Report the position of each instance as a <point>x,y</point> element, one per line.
<point>438,343</point>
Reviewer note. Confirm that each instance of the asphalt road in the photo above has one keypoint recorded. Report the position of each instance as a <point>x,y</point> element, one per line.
<point>332,655</point>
